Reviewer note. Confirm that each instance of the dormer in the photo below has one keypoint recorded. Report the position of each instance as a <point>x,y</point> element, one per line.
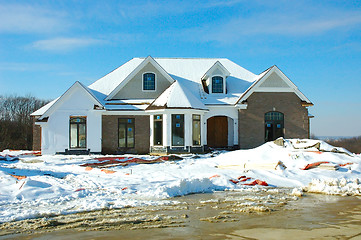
<point>214,81</point>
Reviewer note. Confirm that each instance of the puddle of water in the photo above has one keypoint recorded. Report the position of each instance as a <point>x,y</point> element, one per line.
<point>267,214</point>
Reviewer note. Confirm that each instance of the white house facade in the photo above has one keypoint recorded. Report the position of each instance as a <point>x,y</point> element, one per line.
<point>172,105</point>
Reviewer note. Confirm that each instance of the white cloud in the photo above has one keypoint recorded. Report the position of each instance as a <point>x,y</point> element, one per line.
<point>288,24</point>
<point>65,44</point>
<point>15,18</point>
<point>280,22</point>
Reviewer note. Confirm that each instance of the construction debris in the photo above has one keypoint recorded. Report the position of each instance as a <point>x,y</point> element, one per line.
<point>272,165</point>
<point>106,162</point>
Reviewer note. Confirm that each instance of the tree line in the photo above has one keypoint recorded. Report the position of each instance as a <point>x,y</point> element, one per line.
<point>352,144</point>
<point>16,124</point>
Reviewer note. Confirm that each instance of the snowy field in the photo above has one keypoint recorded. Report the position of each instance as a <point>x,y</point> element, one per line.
<point>34,186</point>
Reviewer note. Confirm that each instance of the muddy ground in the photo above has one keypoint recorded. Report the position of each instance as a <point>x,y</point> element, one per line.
<point>221,215</point>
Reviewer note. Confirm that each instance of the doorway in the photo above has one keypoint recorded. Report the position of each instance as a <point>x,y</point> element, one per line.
<point>274,126</point>
<point>217,132</point>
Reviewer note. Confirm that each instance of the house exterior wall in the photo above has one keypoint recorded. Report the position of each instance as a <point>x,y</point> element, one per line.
<point>251,120</point>
<point>134,88</point>
<point>36,135</point>
<point>55,132</point>
<point>110,134</point>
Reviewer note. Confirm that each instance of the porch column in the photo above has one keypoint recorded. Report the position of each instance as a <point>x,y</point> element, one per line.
<point>151,135</point>
<point>203,130</point>
<point>167,130</point>
<point>235,131</point>
<point>187,130</point>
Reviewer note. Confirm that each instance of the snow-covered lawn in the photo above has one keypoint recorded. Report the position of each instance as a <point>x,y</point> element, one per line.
<point>34,186</point>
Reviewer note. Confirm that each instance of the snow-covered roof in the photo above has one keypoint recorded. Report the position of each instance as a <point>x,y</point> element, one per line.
<point>177,96</point>
<point>189,72</point>
<point>44,108</point>
<point>97,96</point>
<point>128,104</point>
<point>110,81</point>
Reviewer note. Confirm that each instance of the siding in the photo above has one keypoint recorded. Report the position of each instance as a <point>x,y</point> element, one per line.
<point>134,88</point>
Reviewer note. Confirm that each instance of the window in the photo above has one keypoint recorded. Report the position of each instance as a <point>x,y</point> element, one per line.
<point>217,84</point>
<point>158,130</point>
<point>196,135</point>
<point>274,125</point>
<point>177,129</point>
<point>77,132</point>
<point>126,128</point>
<point>149,81</point>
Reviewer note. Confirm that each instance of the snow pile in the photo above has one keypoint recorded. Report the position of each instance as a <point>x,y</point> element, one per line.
<point>34,186</point>
<point>335,186</point>
<point>186,186</point>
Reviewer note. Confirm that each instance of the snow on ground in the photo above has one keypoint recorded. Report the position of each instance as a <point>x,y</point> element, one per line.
<point>33,186</point>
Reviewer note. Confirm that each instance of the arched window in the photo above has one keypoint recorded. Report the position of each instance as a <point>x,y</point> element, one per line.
<point>149,81</point>
<point>274,125</point>
<point>217,84</point>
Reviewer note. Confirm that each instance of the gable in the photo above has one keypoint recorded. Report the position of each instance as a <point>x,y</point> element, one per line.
<point>76,98</point>
<point>149,62</point>
<point>133,89</point>
<point>217,71</point>
<point>275,81</point>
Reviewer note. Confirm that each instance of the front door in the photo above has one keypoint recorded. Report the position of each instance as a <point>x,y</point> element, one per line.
<point>217,132</point>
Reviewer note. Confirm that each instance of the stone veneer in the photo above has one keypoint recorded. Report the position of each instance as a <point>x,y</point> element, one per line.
<point>36,135</point>
<point>251,120</point>
<point>110,134</point>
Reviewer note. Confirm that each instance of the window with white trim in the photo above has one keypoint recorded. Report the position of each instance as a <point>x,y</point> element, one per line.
<point>149,82</point>
<point>217,84</point>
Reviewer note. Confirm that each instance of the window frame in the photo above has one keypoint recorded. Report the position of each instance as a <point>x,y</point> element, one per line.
<point>173,129</point>
<point>77,135</point>
<point>200,129</point>
<point>154,132</point>
<point>212,84</point>
<point>126,132</point>
<point>155,82</point>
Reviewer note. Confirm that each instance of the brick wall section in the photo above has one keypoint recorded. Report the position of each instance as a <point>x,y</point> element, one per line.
<point>36,135</point>
<point>251,120</point>
<point>110,135</point>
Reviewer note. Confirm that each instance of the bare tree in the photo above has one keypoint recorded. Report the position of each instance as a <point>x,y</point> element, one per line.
<point>16,122</point>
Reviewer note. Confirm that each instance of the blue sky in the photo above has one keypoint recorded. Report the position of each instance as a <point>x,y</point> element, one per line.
<point>45,46</point>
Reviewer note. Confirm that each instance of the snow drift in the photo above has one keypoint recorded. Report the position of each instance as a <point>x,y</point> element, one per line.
<point>33,186</point>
